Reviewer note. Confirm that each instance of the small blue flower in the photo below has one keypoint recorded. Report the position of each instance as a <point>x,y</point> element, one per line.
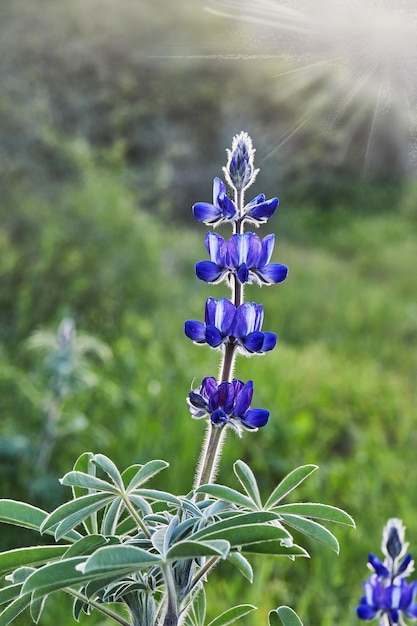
<point>388,600</point>
<point>224,323</point>
<point>227,404</point>
<point>245,256</point>
<point>222,210</point>
<point>259,210</point>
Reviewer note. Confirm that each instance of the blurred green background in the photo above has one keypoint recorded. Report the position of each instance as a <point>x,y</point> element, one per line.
<point>115,117</point>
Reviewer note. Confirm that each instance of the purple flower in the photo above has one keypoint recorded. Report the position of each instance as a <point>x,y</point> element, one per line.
<point>388,600</point>
<point>222,210</point>
<point>259,210</point>
<point>245,256</point>
<point>224,323</point>
<point>227,404</point>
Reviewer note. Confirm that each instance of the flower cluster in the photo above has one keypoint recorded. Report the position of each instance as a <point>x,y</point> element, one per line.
<point>388,596</point>
<point>233,325</point>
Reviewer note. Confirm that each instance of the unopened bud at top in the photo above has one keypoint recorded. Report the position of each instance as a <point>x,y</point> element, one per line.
<point>239,171</point>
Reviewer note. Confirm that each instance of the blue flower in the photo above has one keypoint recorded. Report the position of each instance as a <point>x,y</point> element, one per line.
<point>227,404</point>
<point>222,210</point>
<point>225,323</point>
<point>388,600</point>
<point>259,210</point>
<point>245,256</point>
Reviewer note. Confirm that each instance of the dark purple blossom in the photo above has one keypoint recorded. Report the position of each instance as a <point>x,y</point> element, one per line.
<point>245,256</point>
<point>227,404</point>
<point>225,323</point>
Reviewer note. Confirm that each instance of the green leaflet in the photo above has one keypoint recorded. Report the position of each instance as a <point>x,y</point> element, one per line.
<point>122,558</point>
<point>284,616</point>
<point>194,549</point>
<point>248,481</point>
<point>318,511</point>
<point>290,482</point>
<point>231,615</point>
<point>34,555</point>
<point>312,529</point>
<point>228,494</point>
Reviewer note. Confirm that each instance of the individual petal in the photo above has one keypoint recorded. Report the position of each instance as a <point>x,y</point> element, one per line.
<point>226,397</point>
<point>208,386</point>
<point>260,212</point>
<point>206,212</point>
<point>225,312</point>
<point>366,612</point>
<point>213,336</point>
<point>404,565</point>
<point>196,331</point>
<point>253,342</point>
<point>218,417</point>
<point>248,318</point>
<point>197,405</point>
<point>243,399</point>
<point>270,341</point>
<point>217,248</point>
<point>255,418</point>
<point>267,247</point>
<point>243,273</point>
<point>272,273</point>
<point>209,272</point>
<point>378,566</point>
<point>219,187</point>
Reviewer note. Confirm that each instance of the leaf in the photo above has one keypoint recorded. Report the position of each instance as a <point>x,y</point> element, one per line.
<point>312,529</point>
<point>55,576</point>
<point>36,555</point>
<point>13,610</point>
<point>10,593</point>
<point>79,479</point>
<point>83,464</point>
<point>287,617</point>
<point>123,558</point>
<point>193,549</point>
<point>244,528</point>
<point>37,605</point>
<point>107,465</point>
<point>145,472</point>
<point>111,517</point>
<point>159,496</point>
<point>248,481</point>
<point>197,614</point>
<point>27,516</point>
<point>290,482</point>
<point>85,546</point>
<point>316,510</point>
<point>227,493</point>
<point>275,548</point>
<point>77,509</point>
<point>242,565</point>
<point>231,615</point>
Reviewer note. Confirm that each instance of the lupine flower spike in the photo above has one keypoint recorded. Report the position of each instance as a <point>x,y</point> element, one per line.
<point>232,325</point>
<point>388,597</point>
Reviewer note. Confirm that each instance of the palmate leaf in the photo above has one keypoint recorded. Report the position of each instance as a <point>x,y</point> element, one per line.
<point>290,482</point>
<point>312,529</point>
<point>231,615</point>
<point>284,616</point>
<point>35,555</point>
<point>317,511</point>
<point>248,481</point>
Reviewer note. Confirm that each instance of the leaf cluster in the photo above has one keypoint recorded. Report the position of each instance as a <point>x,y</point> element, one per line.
<point>119,543</point>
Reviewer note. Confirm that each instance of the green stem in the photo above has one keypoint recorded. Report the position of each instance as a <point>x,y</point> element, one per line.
<point>135,516</point>
<point>203,572</point>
